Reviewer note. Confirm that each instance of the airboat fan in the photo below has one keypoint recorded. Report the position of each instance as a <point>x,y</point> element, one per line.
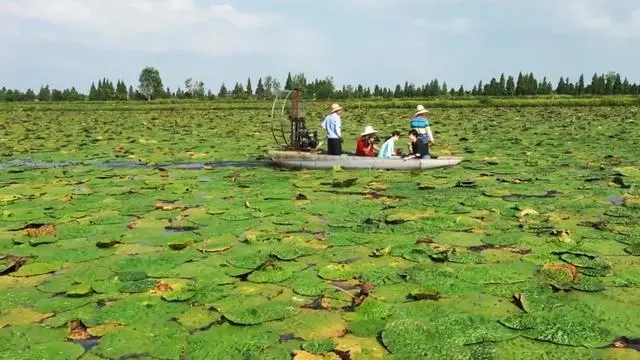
<point>288,123</point>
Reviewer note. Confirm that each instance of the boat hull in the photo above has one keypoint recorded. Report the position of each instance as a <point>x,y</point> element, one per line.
<point>304,160</point>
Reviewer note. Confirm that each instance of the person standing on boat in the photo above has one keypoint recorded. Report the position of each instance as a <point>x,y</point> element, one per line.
<point>333,125</point>
<point>422,125</point>
<point>388,148</point>
<point>366,142</point>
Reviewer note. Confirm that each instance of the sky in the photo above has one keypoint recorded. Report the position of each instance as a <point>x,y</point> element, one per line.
<point>67,43</point>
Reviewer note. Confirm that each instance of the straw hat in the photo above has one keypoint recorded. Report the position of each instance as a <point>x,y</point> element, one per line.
<point>368,130</point>
<point>334,108</point>
<point>420,109</point>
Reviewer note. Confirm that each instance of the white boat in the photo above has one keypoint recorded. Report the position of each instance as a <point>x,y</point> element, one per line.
<point>308,160</point>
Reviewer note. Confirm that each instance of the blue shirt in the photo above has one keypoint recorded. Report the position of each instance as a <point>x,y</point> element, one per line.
<point>333,124</point>
<point>419,122</point>
<point>387,150</point>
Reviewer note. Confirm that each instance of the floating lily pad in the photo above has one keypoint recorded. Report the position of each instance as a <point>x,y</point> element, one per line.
<point>406,337</point>
<point>379,275</point>
<point>312,325</point>
<point>36,268</point>
<point>563,328</point>
<point>125,276</point>
<point>21,316</point>
<point>633,249</point>
<point>176,289</point>
<point>403,217</point>
<point>275,272</point>
<point>288,253</point>
<point>307,283</point>
<point>319,346</point>
<point>137,286</point>
<point>198,318</point>
<point>154,262</point>
<point>497,273</point>
<point>165,342</point>
<point>419,254</point>
<point>588,264</point>
<point>80,291</point>
<point>466,257</point>
<point>230,341</point>
<point>337,272</point>
<point>246,258</point>
<point>503,239</point>
<point>251,311</point>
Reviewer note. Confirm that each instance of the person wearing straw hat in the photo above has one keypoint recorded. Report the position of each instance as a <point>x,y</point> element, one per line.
<point>366,142</point>
<point>421,124</point>
<point>332,123</point>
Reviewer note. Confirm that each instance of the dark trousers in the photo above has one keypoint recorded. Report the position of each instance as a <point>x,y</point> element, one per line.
<point>334,147</point>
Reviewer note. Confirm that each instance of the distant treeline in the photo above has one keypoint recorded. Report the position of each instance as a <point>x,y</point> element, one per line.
<point>150,87</point>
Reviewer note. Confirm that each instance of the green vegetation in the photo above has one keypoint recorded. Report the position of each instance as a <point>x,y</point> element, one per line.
<point>150,87</point>
<point>527,249</point>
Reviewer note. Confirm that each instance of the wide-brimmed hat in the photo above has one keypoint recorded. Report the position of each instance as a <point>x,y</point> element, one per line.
<point>420,109</point>
<point>368,130</point>
<point>334,108</point>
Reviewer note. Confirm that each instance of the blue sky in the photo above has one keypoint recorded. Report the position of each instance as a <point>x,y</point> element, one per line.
<point>73,42</point>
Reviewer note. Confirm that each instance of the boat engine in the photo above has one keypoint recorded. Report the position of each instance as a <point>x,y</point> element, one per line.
<point>298,137</point>
<point>301,138</point>
<point>306,140</point>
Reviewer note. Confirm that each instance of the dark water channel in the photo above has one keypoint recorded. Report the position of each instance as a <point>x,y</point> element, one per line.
<point>25,164</point>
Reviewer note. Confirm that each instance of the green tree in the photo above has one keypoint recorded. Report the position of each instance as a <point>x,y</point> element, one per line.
<point>398,93</point>
<point>249,88</point>
<point>502,86</point>
<point>121,90</point>
<point>561,88</point>
<point>223,93</point>
<point>57,95</point>
<point>29,95</point>
<point>580,85</point>
<point>325,88</point>
<point>238,91</point>
<point>271,86</point>
<point>150,83</point>
<point>260,91</point>
<point>299,81</point>
<point>44,94</point>
<point>288,85</point>
<point>93,92</point>
<point>510,88</point>
<point>617,84</point>
<point>195,89</point>
<point>520,85</point>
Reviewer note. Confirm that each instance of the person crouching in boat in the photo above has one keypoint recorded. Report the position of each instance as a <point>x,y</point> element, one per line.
<point>333,125</point>
<point>366,142</point>
<point>388,148</point>
<point>422,125</point>
<point>419,148</point>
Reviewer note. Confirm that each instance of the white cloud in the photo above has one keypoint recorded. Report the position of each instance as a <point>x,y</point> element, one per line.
<point>457,25</point>
<point>588,15</point>
<point>154,26</point>
<point>371,4</point>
